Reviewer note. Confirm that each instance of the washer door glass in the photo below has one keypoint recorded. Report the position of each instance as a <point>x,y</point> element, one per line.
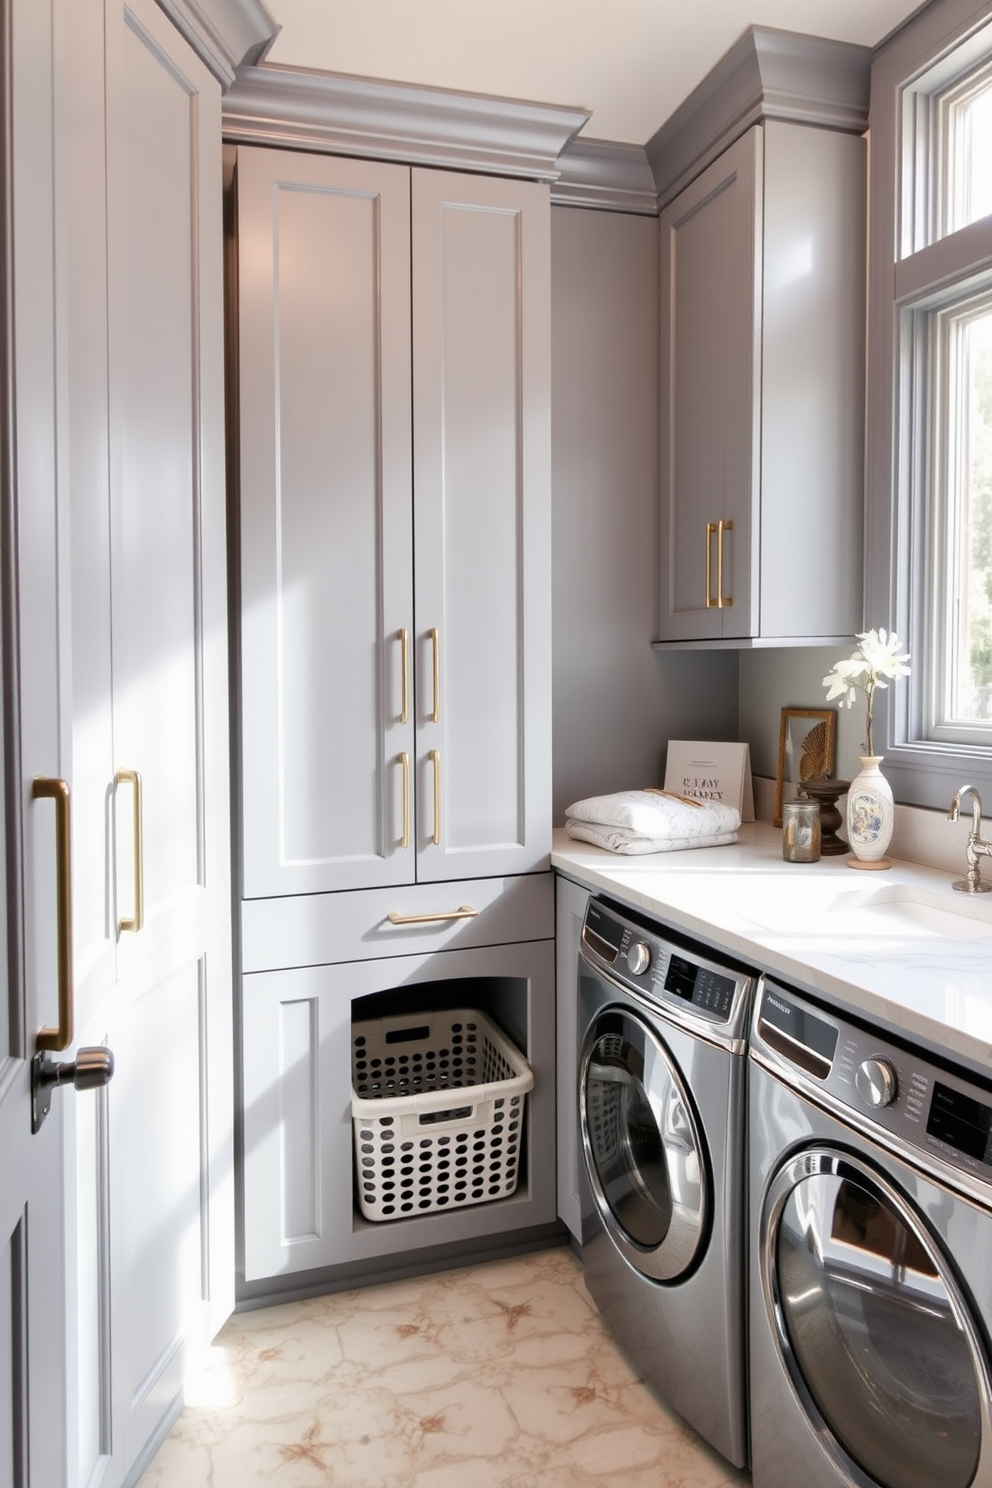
<point>873,1326</point>
<point>644,1154</point>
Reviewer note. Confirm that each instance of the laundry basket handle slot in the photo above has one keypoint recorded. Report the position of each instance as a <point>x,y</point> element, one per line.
<point>457,1113</point>
<point>408,1035</point>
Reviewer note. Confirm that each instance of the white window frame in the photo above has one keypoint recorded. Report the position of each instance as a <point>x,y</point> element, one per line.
<point>917,269</point>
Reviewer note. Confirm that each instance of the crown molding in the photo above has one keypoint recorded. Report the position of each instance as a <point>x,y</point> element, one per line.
<point>341,115</point>
<point>224,33</point>
<point>610,177</point>
<point>767,75</point>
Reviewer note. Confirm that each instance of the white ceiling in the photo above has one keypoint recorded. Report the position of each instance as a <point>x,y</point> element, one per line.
<point>631,62</point>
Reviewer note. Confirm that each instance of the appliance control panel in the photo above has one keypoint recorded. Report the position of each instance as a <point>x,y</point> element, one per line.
<point>647,961</point>
<point>938,1111</point>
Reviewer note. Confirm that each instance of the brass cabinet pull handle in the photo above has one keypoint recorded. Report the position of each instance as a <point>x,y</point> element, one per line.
<point>405,766</point>
<point>435,758</point>
<point>48,788</point>
<point>131,777</point>
<point>405,683</point>
<point>436,646</point>
<point>722,601</point>
<point>465,913</point>
<point>711,528</point>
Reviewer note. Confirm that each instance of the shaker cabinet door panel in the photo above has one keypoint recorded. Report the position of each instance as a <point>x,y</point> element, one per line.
<point>710,255</point>
<point>166,475</point>
<point>326,563</point>
<point>762,392</point>
<point>482,518</point>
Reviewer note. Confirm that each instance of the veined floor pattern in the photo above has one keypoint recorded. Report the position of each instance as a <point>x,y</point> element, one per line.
<point>495,1376</point>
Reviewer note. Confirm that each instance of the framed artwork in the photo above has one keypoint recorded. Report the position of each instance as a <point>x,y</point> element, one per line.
<point>807,741</point>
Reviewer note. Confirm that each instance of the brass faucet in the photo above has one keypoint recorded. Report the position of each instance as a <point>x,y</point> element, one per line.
<point>977,847</point>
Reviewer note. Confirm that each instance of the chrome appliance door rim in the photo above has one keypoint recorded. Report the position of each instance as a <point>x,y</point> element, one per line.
<point>819,1158</point>
<point>682,1247</point>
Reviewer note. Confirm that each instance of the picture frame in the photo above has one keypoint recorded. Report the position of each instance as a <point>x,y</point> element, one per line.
<point>807,747</point>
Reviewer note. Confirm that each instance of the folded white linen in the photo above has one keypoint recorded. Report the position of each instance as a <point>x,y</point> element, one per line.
<point>653,815</point>
<point>619,840</point>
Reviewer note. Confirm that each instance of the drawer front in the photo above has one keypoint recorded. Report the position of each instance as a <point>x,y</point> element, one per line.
<point>320,929</point>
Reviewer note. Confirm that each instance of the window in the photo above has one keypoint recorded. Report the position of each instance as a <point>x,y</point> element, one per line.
<point>930,398</point>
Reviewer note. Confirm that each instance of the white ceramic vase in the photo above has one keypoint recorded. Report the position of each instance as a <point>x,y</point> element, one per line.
<point>870,815</point>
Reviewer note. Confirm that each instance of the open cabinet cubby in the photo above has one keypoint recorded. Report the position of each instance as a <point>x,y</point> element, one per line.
<point>302,1221</point>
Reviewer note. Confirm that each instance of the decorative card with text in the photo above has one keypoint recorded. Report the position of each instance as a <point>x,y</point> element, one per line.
<point>711,772</point>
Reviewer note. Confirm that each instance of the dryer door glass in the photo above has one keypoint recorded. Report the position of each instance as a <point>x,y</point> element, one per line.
<point>874,1327</point>
<point>643,1150</point>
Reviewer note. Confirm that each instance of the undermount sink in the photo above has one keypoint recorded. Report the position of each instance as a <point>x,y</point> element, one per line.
<point>904,910</point>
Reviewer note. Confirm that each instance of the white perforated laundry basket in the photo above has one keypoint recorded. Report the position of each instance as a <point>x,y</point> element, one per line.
<point>437,1105</point>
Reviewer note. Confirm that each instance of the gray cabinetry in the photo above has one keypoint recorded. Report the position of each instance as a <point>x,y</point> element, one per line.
<point>762,422</point>
<point>395,645</point>
<point>394,516</point>
<point>120,546</point>
<point>146,736</point>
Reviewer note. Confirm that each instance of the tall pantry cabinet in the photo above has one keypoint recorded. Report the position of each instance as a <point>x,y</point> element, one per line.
<point>393,331</point>
<point>116,706</point>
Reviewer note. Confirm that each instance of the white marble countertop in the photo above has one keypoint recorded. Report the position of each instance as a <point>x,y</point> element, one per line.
<point>899,947</point>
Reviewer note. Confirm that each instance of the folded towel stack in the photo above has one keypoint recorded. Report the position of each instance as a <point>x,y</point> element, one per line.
<point>651,821</point>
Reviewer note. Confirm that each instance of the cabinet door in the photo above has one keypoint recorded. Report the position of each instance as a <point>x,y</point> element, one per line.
<point>710,447</point>
<point>326,539</point>
<point>481,346</point>
<point>299,1144</point>
<point>171,1199</point>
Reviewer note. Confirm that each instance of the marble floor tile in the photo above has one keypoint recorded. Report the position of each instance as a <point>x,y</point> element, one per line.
<point>495,1376</point>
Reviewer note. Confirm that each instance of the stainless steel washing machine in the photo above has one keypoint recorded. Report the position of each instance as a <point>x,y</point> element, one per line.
<point>871,1257</point>
<point>661,1111</point>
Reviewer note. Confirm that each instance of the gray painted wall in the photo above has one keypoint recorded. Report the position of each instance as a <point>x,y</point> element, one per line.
<point>615,702</point>
<point>776,679</point>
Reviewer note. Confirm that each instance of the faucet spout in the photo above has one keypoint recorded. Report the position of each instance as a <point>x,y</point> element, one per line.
<point>977,848</point>
<point>976,807</point>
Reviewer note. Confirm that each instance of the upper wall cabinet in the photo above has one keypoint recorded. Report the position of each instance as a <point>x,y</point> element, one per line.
<point>763,344</point>
<point>394,513</point>
<point>761,176</point>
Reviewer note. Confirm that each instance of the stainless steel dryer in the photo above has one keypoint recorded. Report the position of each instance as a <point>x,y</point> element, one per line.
<point>871,1257</point>
<point>661,1111</point>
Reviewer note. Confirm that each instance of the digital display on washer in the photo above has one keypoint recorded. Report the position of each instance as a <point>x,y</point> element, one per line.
<point>962,1122</point>
<point>703,988</point>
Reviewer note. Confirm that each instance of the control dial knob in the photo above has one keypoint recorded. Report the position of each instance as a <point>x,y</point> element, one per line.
<point>876,1083</point>
<point>638,957</point>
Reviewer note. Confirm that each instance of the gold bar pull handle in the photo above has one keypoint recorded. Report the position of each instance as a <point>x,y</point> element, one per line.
<point>47,788</point>
<point>405,681</point>
<point>711,528</point>
<point>435,759</point>
<point>465,913</point>
<point>131,777</point>
<point>436,649</point>
<point>723,601</point>
<point>405,767</point>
